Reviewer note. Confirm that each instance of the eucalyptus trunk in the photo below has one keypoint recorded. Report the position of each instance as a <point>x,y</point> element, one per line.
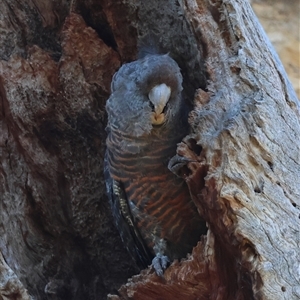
<point>57,235</point>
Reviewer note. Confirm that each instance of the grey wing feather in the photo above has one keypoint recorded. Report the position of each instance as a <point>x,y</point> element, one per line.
<point>125,77</point>
<point>124,221</point>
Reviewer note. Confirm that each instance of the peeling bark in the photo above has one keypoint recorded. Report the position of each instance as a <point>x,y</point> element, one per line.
<point>243,152</point>
<point>10,285</point>
<point>56,228</point>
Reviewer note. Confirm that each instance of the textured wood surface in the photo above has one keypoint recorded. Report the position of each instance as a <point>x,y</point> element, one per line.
<point>243,170</point>
<point>56,230</point>
<point>244,165</point>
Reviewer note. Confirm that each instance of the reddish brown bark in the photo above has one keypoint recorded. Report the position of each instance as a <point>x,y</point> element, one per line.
<point>56,231</point>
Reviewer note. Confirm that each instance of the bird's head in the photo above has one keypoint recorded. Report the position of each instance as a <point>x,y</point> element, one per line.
<point>146,96</point>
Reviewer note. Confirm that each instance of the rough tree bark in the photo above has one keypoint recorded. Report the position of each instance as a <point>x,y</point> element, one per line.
<point>56,231</point>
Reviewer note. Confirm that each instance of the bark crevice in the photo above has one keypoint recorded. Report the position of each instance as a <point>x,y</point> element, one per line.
<point>240,161</point>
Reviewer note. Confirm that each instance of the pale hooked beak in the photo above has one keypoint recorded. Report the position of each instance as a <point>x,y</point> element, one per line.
<point>159,97</point>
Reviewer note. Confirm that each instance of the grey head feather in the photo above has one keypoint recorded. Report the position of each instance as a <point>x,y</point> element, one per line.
<point>129,109</point>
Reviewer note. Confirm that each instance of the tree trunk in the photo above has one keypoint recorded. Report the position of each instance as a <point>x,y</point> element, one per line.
<point>57,233</point>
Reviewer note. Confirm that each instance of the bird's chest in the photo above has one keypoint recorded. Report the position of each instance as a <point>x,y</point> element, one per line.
<point>142,159</point>
<point>161,208</point>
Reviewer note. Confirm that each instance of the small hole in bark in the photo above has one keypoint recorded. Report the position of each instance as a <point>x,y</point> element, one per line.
<point>283,288</point>
<point>257,190</point>
<point>193,146</point>
<point>294,204</point>
<point>270,165</point>
<point>235,70</point>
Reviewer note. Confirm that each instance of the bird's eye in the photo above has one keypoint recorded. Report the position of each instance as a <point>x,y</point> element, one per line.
<point>152,106</point>
<point>165,108</point>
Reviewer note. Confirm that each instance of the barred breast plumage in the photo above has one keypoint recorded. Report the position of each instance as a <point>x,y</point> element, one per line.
<point>151,206</point>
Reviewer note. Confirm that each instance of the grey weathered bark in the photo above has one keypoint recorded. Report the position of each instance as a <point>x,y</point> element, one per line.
<point>244,151</point>
<point>10,285</point>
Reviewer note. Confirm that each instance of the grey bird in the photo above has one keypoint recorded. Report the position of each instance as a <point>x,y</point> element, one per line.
<point>147,117</point>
